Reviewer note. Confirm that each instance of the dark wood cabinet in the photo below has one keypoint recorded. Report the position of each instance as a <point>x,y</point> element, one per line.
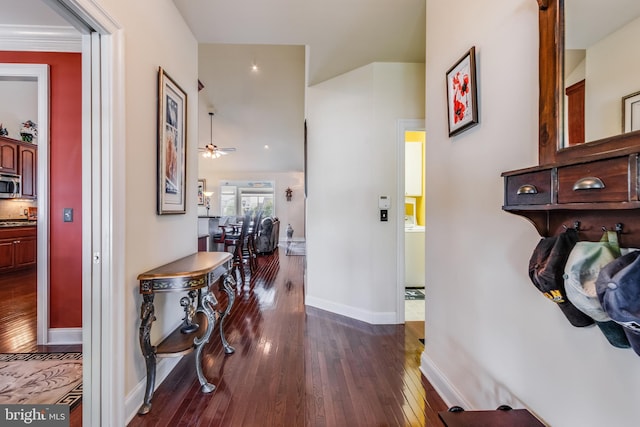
<point>20,158</point>
<point>8,156</point>
<point>17,247</point>
<point>202,243</point>
<point>592,195</point>
<point>27,162</point>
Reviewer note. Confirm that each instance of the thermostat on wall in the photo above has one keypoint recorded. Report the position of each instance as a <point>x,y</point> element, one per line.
<point>384,202</point>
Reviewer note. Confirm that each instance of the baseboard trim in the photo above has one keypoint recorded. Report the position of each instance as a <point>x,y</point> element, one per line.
<point>449,394</point>
<point>60,336</point>
<point>374,318</point>
<point>135,398</point>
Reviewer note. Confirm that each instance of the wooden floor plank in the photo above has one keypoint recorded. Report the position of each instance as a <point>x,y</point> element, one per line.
<point>293,366</point>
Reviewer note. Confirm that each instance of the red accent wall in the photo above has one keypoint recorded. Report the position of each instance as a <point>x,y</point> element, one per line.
<point>65,181</point>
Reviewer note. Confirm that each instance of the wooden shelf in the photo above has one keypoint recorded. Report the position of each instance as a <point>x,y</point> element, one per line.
<point>556,203</point>
<point>177,343</point>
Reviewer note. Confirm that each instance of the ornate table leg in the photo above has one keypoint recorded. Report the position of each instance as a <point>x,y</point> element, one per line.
<point>148,351</point>
<point>229,287</point>
<point>207,301</point>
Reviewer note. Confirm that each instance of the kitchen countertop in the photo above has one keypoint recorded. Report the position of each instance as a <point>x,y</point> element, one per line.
<point>6,223</point>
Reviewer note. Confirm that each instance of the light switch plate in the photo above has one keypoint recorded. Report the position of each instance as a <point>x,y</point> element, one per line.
<point>67,214</point>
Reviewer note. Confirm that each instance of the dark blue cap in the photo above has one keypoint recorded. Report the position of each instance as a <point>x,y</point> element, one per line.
<point>618,290</point>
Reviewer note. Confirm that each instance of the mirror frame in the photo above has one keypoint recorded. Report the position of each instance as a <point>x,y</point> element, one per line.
<point>551,61</point>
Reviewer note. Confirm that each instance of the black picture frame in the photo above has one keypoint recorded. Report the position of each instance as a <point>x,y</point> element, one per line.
<point>172,146</point>
<point>462,107</point>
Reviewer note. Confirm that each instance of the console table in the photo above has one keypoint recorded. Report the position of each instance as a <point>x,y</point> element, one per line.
<point>193,274</point>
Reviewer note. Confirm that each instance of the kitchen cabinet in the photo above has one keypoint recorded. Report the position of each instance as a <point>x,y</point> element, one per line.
<point>20,158</point>
<point>17,247</point>
<point>27,167</point>
<point>8,156</point>
<point>413,169</point>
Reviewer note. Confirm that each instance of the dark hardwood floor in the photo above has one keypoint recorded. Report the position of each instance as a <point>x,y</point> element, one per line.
<point>18,311</point>
<point>18,314</point>
<point>292,367</point>
<point>297,366</point>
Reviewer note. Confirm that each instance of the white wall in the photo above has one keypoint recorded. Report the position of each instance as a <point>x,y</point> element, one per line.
<point>352,155</point>
<point>253,108</point>
<point>21,104</point>
<point>153,39</point>
<point>603,99</point>
<point>491,337</point>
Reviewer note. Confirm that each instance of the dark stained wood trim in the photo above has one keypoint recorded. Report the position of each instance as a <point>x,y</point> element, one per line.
<point>551,59</point>
<point>551,23</point>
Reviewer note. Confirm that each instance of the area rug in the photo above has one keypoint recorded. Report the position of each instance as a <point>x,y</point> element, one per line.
<point>412,294</point>
<point>296,249</point>
<point>41,378</point>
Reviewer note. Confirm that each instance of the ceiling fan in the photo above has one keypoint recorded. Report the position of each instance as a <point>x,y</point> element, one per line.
<point>211,150</point>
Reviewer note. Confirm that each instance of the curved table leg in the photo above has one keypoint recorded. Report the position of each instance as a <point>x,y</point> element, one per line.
<point>207,301</point>
<point>229,287</point>
<point>147,316</point>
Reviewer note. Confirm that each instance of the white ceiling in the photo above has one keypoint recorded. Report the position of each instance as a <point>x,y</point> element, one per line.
<point>29,12</point>
<point>587,21</point>
<point>341,34</point>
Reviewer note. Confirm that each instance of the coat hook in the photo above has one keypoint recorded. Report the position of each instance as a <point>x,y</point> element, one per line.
<point>576,226</point>
<point>619,228</point>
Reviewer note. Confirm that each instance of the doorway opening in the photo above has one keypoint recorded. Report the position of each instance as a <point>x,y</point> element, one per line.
<point>411,221</point>
<point>30,84</point>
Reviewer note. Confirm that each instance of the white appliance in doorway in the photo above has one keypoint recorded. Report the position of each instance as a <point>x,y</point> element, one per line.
<point>414,257</point>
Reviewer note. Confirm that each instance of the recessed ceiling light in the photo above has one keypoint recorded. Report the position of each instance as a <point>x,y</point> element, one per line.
<point>266,147</point>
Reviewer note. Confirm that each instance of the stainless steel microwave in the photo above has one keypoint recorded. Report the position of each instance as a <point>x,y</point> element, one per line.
<point>10,186</point>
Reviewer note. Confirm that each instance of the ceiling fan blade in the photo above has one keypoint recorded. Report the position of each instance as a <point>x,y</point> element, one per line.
<point>228,150</point>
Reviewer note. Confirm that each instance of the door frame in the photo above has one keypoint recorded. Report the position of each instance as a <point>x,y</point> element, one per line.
<point>402,126</point>
<point>103,200</point>
<point>39,72</point>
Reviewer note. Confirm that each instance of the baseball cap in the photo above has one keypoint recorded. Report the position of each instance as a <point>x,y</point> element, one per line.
<point>618,290</point>
<point>546,270</point>
<point>581,271</point>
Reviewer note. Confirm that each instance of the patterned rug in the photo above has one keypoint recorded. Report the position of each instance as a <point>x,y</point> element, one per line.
<point>41,378</point>
<point>413,294</point>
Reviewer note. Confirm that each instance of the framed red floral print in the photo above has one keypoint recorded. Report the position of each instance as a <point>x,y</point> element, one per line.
<point>461,93</point>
